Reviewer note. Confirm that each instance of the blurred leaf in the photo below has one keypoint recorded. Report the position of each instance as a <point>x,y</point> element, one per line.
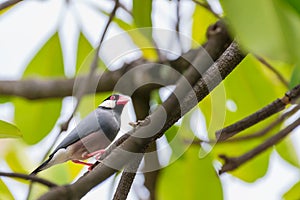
<point>140,37</point>
<point>295,4</point>
<point>91,102</point>
<point>48,61</point>
<point>84,48</point>
<point>5,194</point>
<point>250,87</point>
<point>259,27</point>
<point>293,193</point>
<point>36,118</point>
<point>202,19</point>
<point>8,130</point>
<point>214,109</point>
<point>4,99</point>
<point>141,11</point>
<point>60,174</point>
<point>180,137</point>
<point>295,78</point>
<point>190,178</point>
<point>16,159</point>
<point>175,141</point>
<point>251,170</point>
<point>287,151</point>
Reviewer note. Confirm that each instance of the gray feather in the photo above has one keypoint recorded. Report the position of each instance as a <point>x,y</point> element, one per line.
<point>100,120</point>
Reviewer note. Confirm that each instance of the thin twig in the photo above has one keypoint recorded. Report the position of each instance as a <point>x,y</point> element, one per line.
<point>232,163</point>
<point>8,3</point>
<point>267,111</point>
<point>276,72</point>
<point>258,134</point>
<point>177,25</point>
<point>83,89</point>
<point>267,129</point>
<point>251,120</point>
<point>29,177</point>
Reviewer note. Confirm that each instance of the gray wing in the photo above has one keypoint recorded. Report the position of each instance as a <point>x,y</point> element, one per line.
<point>97,120</point>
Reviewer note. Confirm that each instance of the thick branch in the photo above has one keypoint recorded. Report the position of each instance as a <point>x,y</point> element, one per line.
<point>233,163</point>
<point>40,88</point>
<point>145,133</point>
<point>28,177</point>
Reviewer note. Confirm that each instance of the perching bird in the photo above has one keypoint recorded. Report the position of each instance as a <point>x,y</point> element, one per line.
<point>91,136</point>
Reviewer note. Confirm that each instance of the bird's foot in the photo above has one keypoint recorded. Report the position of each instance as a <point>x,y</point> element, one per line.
<point>144,122</point>
<point>96,154</point>
<point>82,163</point>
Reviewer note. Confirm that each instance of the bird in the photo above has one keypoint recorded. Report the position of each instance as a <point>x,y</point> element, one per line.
<point>91,136</point>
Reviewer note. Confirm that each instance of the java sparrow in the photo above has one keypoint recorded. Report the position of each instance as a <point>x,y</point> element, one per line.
<point>91,136</point>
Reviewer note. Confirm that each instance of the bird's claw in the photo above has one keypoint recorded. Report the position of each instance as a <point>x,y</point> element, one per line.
<point>144,122</point>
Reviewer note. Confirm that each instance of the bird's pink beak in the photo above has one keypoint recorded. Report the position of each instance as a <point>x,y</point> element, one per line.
<point>122,100</point>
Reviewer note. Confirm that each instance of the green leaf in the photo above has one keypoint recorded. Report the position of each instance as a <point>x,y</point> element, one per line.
<point>267,28</point>
<point>17,159</point>
<point>36,118</point>
<point>293,192</point>
<point>202,19</point>
<point>175,141</point>
<point>288,152</point>
<point>48,61</point>
<point>60,174</point>
<point>141,12</point>
<point>295,78</point>
<point>8,130</point>
<point>4,99</point>
<point>250,87</point>
<point>91,102</point>
<point>4,192</point>
<point>141,39</point>
<point>84,48</point>
<point>190,178</point>
<point>295,4</point>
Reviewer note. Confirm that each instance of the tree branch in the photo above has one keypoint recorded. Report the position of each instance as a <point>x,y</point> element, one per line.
<point>232,163</point>
<point>28,177</point>
<point>36,88</point>
<point>267,111</point>
<point>8,3</point>
<point>147,132</point>
<point>253,135</point>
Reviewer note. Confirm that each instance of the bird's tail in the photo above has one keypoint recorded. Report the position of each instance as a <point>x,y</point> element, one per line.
<point>41,167</point>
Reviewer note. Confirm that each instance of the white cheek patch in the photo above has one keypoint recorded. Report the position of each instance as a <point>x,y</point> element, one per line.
<point>108,104</point>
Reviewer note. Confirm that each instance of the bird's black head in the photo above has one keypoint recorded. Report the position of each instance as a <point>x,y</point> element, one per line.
<point>115,102</point>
